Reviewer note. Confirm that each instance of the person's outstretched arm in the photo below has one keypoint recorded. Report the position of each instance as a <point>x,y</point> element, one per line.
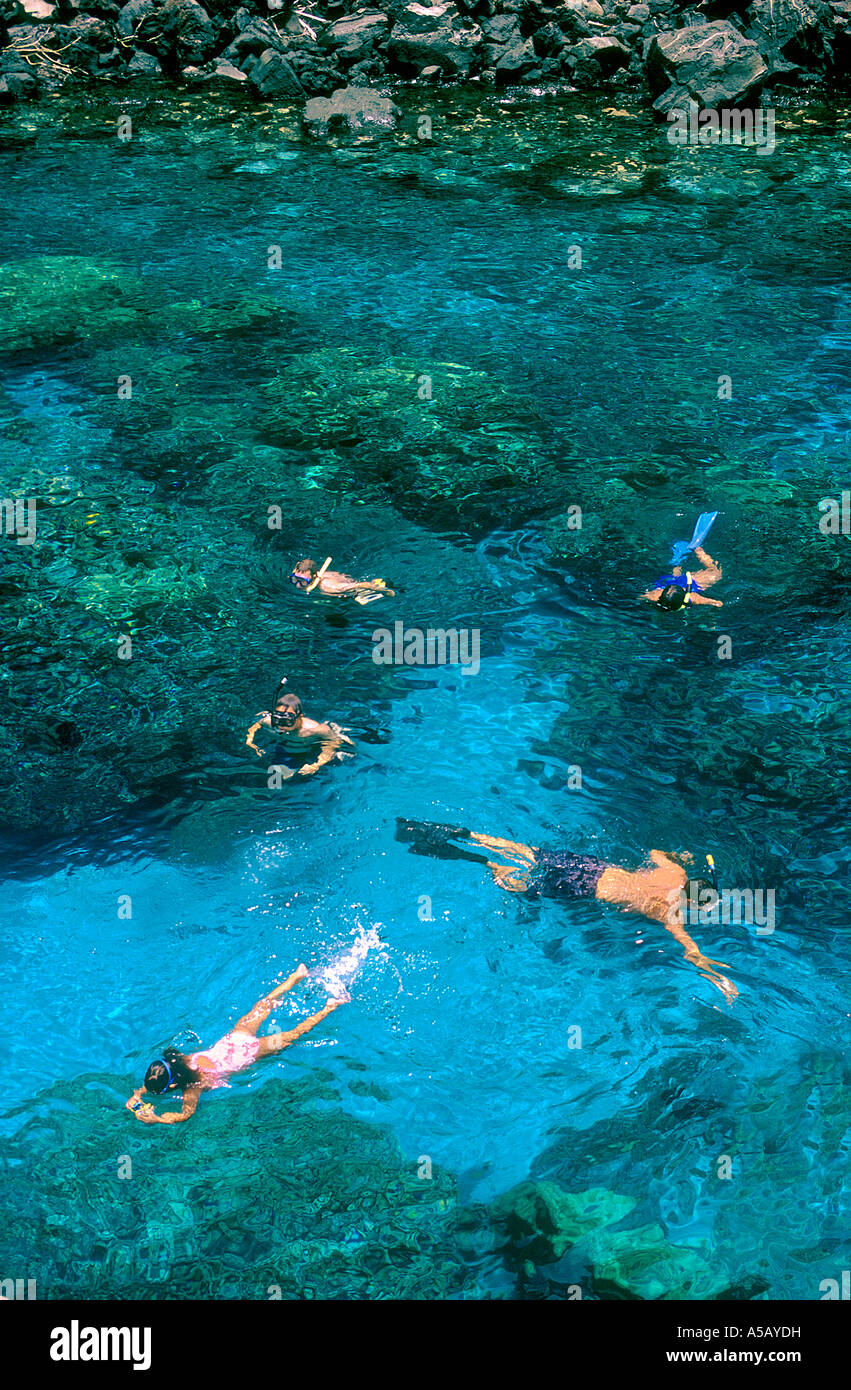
<point>328,749</point>
<point>672,920</point>
<point>701,598</point>
<point>249,738</point>
<point>148,1115</point>
<point>191,1097</point>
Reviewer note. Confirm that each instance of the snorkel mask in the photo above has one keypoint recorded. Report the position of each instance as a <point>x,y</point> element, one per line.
<point>298,575</point>
<point>285,718</point>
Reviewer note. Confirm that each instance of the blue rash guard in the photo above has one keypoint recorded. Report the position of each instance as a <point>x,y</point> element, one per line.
<point>681,581</point>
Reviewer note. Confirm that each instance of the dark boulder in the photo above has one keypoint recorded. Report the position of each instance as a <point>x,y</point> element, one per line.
<point>593,61</point>
<point>179,33</point>
<point>354,38</point>
<point>548,41</point>
<point>351,110</point>
<point>17,86</point>
<point>133,14</point>
<point>69,9</point>
<point>434,35</point>
<point>797,30</point>
<point>577,17</point>
<point>512,64</point>
<point>840,64</point>
<point>502,29</point>
<point>189,32</point>
<point>713,64</point>
<point>144,65</point>
<point>84,44</point>
<point>273,76</point>
<point>254,38</point>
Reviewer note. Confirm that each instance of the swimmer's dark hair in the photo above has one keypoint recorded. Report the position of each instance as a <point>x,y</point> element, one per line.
<point>309,565</point>
<point>157,1076</point>
<point>289,699</point>
<point>671,598</point>
<point>696,886</point>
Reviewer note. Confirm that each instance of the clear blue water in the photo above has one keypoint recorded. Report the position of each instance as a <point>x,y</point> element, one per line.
<point>598,387</point>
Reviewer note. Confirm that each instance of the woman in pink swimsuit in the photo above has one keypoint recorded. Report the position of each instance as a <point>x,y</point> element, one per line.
<point>203,1071</point>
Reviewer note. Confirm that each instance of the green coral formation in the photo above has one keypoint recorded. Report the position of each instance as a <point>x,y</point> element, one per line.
<point>544,1223</point>
<point>420,432</point>
<point>50,300</point>
<point>325,1205</point>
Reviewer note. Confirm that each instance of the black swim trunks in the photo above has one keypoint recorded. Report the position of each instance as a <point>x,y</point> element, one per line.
<point>566,875</point>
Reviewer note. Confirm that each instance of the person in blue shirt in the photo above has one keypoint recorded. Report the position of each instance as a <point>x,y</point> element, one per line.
<point>674,590</point>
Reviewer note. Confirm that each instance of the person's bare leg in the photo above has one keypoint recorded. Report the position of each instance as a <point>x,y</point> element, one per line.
<point>518,854</point>
<point>505,877</point>
<point>250,1022</point>
<point>711,572</point>
<point>276,1042</point>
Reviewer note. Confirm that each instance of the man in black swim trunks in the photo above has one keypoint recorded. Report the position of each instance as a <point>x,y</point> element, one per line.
<point>290,731</point>
<point>653,892</point>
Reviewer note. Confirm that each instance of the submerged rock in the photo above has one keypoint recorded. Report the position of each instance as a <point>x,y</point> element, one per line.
<point>339,1213</point>
<point>53,299</point>
<point>351,110</point>
<point>543,1221</point>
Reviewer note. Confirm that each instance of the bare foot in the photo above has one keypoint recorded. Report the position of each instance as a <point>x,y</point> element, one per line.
<point>301,971</point>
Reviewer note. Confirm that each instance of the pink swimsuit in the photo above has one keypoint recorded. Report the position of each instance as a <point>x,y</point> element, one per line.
<point>231,1053</point>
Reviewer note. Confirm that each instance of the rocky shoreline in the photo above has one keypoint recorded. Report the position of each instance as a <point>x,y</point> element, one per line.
<point>663,52</point>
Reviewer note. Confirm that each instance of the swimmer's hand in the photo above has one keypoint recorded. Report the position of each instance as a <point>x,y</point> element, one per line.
<point>707,970</point>
<point>145,1113</point>
<point>727,988</point>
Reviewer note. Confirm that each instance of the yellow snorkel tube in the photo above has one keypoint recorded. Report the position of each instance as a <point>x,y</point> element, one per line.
<point>313,583</point>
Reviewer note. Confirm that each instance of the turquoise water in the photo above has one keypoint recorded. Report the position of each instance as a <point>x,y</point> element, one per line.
<point>552,385</point>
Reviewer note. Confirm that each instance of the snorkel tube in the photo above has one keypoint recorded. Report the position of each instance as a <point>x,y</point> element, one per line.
<point>713,872</point>
<point>313,583</point>
<point>277,721</point>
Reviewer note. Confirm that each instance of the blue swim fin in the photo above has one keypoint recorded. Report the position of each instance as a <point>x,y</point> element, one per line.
<point>701,531</point>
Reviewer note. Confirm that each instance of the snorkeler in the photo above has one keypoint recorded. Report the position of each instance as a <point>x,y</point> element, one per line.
<point>654,893</point>
<point>307,577</point>
<point>674,590</point>
<point>204,1071</point>
<point>293,732</point>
